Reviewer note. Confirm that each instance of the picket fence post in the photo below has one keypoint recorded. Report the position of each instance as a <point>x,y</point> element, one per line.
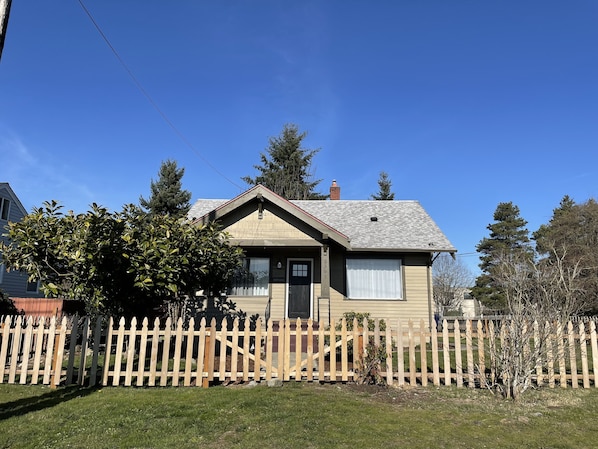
<point>257,352</point>
<point>458,354</point>
<point>130,355</point>
<point>481,354</point>
<point>400,355</point>
<point>583,348</point>
<point>39,345</point>
<point>594,346</point>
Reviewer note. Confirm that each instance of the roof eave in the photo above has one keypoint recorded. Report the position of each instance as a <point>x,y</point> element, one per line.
<point>405,250</point>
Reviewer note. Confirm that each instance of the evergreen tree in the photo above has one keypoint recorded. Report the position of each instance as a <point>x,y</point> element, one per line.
<point>285,167</point>
<point>509,238</point>
<point>167,196</point>
<point>384,184</point>
<point>559,228</point>
<point>571,235</point>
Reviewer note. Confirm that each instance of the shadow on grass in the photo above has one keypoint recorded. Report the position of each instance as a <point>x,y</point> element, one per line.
<point>32,404</point>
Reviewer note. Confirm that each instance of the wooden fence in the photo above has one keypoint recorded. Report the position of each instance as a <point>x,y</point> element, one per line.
<point>77,351</point>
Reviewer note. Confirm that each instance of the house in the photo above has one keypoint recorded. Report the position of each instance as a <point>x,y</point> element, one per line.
<point>320,258</point>
<point>462,304</point>
<point>470,307</point>
<point>13,283</point>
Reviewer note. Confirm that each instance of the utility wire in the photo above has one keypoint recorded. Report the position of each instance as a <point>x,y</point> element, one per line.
<point>150,99</point>
<point>466,254</point>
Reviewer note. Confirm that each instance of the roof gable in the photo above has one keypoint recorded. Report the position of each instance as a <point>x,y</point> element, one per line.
<point>4,186</point>
<point>204,211</point>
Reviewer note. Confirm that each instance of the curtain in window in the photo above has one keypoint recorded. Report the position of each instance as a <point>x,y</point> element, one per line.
<point>253,279</point>
<point>374,279</point>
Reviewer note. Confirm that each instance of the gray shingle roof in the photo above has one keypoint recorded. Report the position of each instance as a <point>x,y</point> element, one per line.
<point>381,225</point>
<point>203,207</point>
<point>398,225</point>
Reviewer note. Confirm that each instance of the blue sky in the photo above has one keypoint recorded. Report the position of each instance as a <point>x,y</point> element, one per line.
<point>464,104</point>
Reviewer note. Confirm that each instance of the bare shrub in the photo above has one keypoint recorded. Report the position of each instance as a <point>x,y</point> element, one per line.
<point>539,296</point>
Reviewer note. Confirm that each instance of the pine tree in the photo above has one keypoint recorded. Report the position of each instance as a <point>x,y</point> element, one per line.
<point>508,238</point>
<point>559,228</point>
<point>167,196</point>
<point>571,235</point>
<point>384,184</point>
<point>285,167</point>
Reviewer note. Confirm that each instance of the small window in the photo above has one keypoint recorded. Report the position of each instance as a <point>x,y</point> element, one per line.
<point>32,287</point>
<point>300,270</point>
<point>253,279</point>
<point>4,208</point>
<point>374,279</point>
<point>2,271</point>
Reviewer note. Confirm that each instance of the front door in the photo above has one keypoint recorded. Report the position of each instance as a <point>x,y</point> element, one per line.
<point>299,301</point>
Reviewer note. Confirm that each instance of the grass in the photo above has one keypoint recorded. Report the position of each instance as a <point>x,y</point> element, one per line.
<point>295,416</point>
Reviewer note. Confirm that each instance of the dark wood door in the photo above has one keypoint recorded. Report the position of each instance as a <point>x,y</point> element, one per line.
<point>299,289</point>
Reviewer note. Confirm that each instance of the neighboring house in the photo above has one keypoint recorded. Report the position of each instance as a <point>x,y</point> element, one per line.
<point>320,258</point>
<point>463,305</point>
<point>13,283</point>
<point>470,307</point>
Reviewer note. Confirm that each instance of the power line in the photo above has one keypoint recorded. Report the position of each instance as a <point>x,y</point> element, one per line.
<point>151,100</point>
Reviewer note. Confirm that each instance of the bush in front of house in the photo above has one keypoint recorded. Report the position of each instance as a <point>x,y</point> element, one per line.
<point>361,317</point>
<point>7,307</point>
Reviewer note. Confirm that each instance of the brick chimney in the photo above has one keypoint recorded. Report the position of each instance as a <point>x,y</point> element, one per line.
<point>335,191</point>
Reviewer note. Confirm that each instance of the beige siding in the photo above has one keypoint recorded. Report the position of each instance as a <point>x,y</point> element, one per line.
<point>251,305</point>
<point>277,309</point>
<point>269,227</point>
<point>414,306</point>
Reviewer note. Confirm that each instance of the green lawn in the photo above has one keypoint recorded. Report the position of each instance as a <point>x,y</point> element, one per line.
<point>294,416</point>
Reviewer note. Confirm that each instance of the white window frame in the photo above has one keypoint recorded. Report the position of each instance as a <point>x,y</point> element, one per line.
<point>255,290</point>
<point>365,273</point>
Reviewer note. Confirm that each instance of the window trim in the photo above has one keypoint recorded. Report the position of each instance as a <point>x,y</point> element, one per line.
<point>267,258</point>
<point>401,278</point>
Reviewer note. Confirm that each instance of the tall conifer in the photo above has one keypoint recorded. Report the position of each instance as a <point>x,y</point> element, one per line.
<point>286,167</point>
<point>508,238</point>
<point>384,185</point>
<point>167,196</point>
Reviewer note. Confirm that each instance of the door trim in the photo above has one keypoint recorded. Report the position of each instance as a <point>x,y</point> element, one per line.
<point>311,285</point>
